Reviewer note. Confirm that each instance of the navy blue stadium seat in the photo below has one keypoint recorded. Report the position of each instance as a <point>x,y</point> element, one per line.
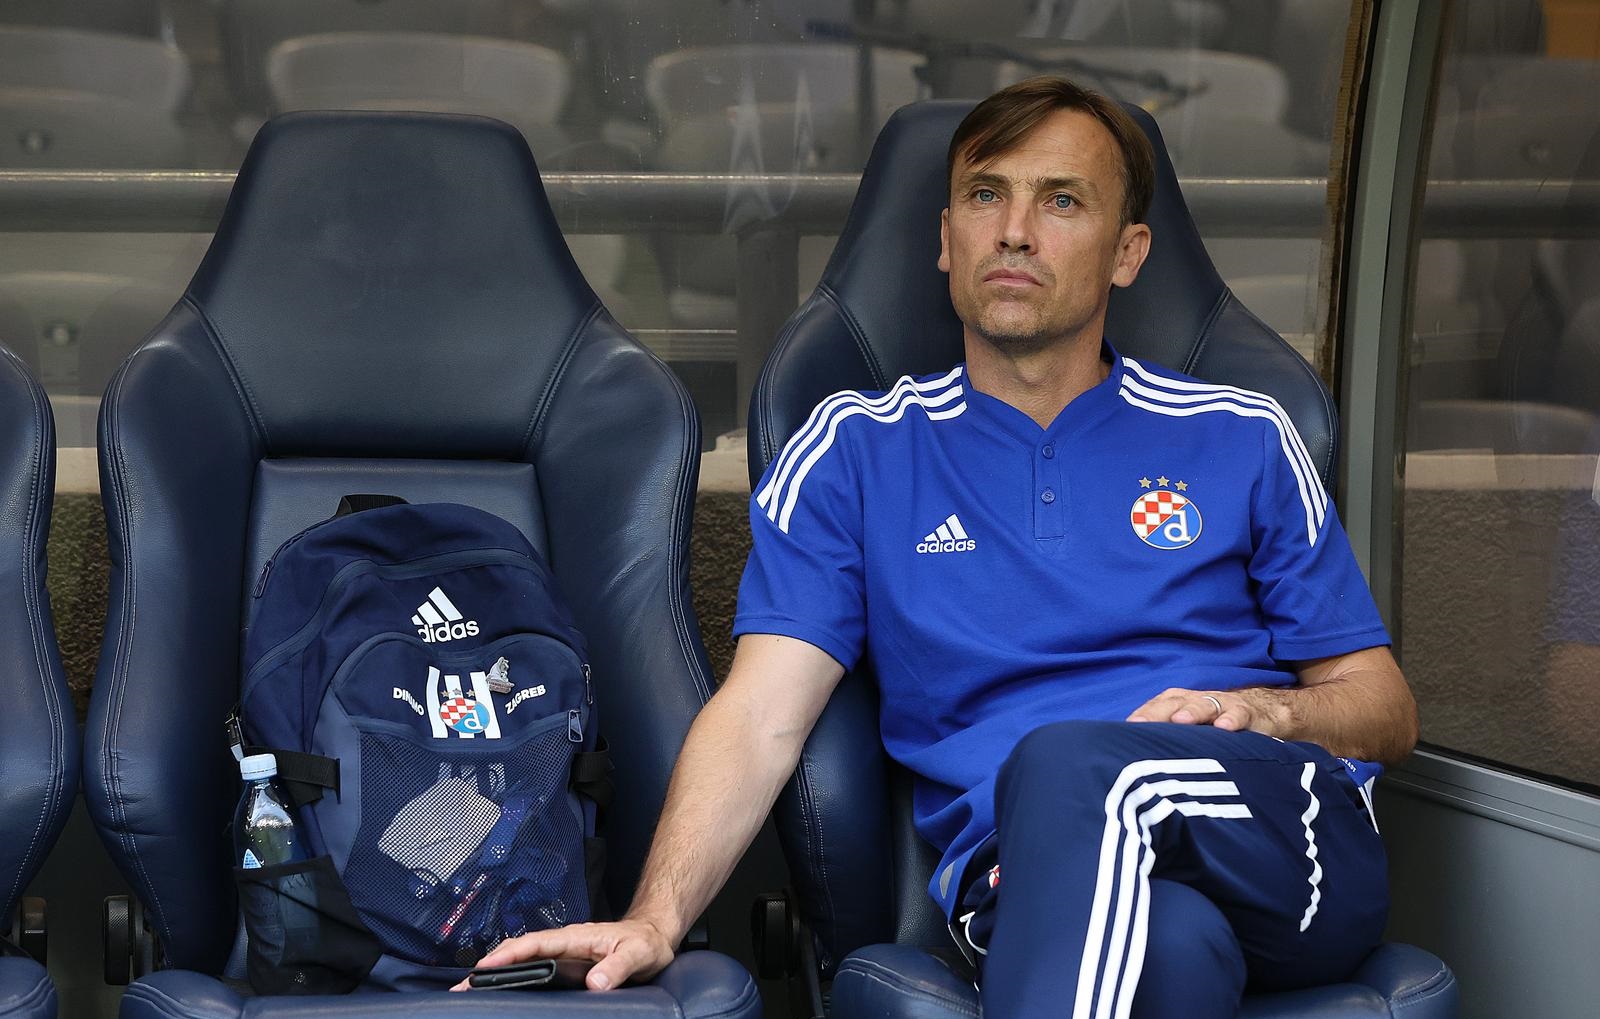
<point>38,733</point>
<point>882,310</point>
<point>387,306</point>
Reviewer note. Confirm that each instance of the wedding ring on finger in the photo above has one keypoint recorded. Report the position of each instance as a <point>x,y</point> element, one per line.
<point>1215,702</point>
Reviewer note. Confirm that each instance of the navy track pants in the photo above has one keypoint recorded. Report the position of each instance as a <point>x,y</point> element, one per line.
<point>1153,870</point>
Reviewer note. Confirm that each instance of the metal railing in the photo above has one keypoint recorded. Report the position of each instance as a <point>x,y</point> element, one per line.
<point>192,200</point>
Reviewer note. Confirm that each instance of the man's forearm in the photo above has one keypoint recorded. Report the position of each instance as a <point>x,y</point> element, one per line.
<point>725,781</point>
<point>1352,705</point>
<point>1363,713</point>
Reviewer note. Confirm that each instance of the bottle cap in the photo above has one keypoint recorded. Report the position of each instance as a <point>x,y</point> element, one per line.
<point>258,766</point>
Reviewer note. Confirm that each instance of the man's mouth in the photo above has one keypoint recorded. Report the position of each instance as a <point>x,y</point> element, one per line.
<point>1010,278</point>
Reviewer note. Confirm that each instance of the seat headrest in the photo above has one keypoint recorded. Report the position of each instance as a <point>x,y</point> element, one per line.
<point>399,270</point>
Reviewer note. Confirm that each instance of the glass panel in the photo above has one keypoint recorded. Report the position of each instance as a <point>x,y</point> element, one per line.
<point>1499,620</point>
<point>1243,89</point>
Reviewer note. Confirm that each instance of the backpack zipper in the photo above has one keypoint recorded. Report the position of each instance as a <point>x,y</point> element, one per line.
<point>266,568</point>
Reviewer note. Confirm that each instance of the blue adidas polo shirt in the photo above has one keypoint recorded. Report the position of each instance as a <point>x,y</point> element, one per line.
<point>1161,532</point>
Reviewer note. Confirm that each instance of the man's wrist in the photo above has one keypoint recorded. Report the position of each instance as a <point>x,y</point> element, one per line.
<point>1269,710</point>
<point>664,922</point>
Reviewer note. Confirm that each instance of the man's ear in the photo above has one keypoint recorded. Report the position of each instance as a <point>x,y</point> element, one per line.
<point>944,239</point>
<point>1132,249</point>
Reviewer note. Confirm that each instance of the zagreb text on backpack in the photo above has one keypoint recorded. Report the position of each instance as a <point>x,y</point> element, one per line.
<point>429,701</point>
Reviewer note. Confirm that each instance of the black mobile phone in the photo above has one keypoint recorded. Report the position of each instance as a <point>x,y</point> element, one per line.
<point>533,975</point>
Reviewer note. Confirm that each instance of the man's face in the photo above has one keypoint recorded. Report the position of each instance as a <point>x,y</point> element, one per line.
<point>1033,240</point>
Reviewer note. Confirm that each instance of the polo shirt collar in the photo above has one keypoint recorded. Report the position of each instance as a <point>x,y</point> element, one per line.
<point>1087,409</point>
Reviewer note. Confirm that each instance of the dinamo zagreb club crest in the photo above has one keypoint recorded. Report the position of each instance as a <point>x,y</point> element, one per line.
<point>463,714</point>
<point>1165,519</point>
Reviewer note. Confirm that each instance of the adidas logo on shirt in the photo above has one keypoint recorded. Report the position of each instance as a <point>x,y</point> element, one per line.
<point>949,536</point>
<point>438,620</point>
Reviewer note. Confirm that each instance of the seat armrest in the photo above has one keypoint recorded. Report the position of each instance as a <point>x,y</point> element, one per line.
<point>1417,984</point>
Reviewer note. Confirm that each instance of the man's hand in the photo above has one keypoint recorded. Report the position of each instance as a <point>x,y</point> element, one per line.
<point>625,950</point>
<point>1233,710</point>
<point>1353,705</point>
<point>741,749</point>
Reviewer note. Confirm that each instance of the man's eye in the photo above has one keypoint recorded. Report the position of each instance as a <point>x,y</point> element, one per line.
<point>1062,201</point>
<point>985,195</point>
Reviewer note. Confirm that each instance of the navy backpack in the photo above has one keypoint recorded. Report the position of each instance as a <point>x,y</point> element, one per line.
<point>429,700</point>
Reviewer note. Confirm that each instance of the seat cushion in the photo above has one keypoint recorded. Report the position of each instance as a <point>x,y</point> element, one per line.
<point>698,985</point>
<point>25,990</point>
<point>906,982</point>
<point>902,982</point>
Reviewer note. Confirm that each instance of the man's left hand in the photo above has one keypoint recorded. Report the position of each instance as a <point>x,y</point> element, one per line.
<point>1232,710</point>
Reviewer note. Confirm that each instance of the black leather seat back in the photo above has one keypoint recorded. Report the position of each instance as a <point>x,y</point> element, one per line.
<point>882,310</point>
<point>38,727</point>
<point>391,286</point>
<point>388,306</point>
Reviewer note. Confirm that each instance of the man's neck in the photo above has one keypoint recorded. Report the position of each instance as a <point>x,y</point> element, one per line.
<point>1040,383</point>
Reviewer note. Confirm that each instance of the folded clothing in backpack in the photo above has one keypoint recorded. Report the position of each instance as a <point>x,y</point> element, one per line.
<point>426,650</point>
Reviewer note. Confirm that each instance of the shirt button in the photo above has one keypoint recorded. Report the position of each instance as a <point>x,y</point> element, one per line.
<point>1048,495</point>
<point>1048,452</point>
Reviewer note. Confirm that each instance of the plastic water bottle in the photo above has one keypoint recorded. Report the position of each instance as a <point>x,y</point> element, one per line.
<point>264,830</point>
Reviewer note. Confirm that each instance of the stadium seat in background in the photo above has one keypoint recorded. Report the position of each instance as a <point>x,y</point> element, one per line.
<point>124,17</point>
<point>626,35</point>
<point>72,329</point>
<point>387,306</point>
<point>73,99</point>
<point>758,108</point>
<point>521,83</point>
<point>251,28</point>
<point>711,79</point>
<point>859,869</point>
<point>1200,23</point>
<point>38,732</point>
<point>1196,23</point>
<point>951,20</point>
<point>1222,113</point>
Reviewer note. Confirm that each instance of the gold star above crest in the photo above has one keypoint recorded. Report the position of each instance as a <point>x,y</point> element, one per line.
<point>1162,481</point>
<point>1144,482</point>
<point>1182,486</point>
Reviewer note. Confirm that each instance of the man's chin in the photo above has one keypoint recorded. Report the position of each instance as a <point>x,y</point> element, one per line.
<point>1012,337</point>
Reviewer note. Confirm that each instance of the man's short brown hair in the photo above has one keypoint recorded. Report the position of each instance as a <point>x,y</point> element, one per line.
<point>1001,121</point>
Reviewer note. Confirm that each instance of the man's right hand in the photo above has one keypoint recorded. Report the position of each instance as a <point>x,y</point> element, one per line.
<point>739,752</point>
<point>626,950</point>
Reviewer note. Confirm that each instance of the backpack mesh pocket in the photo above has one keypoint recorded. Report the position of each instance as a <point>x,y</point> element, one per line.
<point>457,851</point>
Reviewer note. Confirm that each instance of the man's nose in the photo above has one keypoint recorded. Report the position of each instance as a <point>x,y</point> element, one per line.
<point>1016,232</point>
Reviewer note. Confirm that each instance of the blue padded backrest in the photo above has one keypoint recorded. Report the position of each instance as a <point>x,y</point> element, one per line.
<point>38,730</point>
<point>388,305</point>
<point>367,254</point>
<point>882,310</point>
